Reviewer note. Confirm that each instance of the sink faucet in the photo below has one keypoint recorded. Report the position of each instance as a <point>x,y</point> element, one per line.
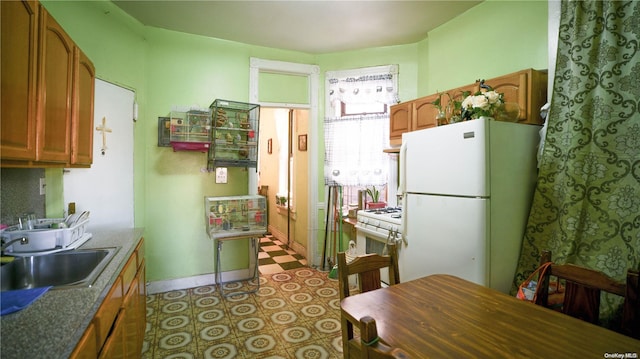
<point>22,240</point>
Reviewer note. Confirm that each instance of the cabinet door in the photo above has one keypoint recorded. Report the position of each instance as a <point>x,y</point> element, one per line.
<point>114,346</point>
<point>55,69</point>
<point>108,311</point>
<point>424,112</point>
<point>82,119</point>
<point>142,304</point>
<point>131,320</point>
<point>18,77</point>
<point>87,346</point>
<point>461,93</point>
<point>514,88</point>
<point>399,122</point>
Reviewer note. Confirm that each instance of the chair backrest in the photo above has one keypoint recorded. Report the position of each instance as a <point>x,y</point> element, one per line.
<point>370,345</point>
<point>367,268</point>
<point>582,293</point>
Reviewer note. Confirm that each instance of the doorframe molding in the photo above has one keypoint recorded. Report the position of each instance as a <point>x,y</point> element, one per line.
<point>312,72</point>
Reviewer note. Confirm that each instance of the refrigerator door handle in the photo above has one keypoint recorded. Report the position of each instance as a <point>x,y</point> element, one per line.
<point>402,186</point>
<point>402,190</point>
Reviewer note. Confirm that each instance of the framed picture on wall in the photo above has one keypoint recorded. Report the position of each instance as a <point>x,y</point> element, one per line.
<point>302,142</point>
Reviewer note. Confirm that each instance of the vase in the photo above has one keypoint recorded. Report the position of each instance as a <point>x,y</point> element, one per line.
<point>510,112</point>
<point>487,118</point>
<point>441,118</point>
<point>376,205</point>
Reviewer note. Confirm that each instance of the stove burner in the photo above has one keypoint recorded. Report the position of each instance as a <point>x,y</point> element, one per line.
<point>384,210</point>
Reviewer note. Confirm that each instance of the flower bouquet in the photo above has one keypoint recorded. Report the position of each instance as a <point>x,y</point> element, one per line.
<point>488,103</point>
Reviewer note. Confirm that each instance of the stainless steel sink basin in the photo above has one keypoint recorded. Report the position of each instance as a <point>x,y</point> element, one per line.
<point>75,268</point>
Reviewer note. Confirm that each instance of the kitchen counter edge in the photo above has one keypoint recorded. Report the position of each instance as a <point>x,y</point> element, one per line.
<point>52,326</point>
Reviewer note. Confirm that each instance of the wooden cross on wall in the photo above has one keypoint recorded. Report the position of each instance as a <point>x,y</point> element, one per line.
<point>104,129</point>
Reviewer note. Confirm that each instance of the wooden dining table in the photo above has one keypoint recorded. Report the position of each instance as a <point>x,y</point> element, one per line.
<point>442,316</point>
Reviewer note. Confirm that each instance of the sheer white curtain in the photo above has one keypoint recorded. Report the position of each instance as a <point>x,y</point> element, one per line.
<point>354,144</point>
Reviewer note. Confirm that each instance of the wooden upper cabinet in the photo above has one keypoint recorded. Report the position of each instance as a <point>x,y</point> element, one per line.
<point>424,113</point>
<point>411,116</point>
<point>399,122</point>
<point>18,76</point>
<point>82,119</point>
<point>47,92</point>
<point>527,88</point>
<point>54,96</point>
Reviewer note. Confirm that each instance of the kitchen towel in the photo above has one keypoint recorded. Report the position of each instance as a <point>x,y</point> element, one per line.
<point>15,300</point>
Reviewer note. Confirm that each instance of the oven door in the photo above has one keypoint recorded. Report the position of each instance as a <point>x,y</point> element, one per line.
<point>373,240</point>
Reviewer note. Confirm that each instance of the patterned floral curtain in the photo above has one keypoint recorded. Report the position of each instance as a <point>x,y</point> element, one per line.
<point>586,207</point>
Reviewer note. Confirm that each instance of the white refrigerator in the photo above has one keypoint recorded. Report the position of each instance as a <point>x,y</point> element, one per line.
<point>467,190</point>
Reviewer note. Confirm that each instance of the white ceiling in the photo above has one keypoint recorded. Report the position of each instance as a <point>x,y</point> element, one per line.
<point>314,27</point>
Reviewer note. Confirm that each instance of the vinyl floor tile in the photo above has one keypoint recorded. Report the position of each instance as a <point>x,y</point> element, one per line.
<point>294,314</point>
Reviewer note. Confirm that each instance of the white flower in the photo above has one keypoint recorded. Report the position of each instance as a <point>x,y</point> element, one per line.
<point>481,101</point>
<point>492,96</point>
<point>468,102</point>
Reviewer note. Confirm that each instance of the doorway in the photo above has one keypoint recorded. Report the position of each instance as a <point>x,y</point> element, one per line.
<point>283,165</point>
<point>260,67</point>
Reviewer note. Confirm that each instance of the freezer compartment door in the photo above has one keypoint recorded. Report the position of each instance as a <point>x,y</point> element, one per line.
<point>448,159</point>
<point>445,235</point>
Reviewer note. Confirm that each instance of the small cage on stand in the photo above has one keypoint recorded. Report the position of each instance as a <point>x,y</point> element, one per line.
<point>237,218</point>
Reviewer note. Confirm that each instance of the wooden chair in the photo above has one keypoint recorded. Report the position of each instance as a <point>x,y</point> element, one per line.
<point>370,346</point>
<point>582,293</point>
<point>367,268</point>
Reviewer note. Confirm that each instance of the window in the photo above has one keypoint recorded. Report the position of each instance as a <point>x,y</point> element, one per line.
<point>357,128</point>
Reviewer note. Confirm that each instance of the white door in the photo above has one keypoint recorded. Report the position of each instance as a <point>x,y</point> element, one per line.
<point>106,189</point>
<point>449,160</point>
<point>445,235</point>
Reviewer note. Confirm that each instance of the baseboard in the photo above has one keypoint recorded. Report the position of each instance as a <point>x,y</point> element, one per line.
<point>194,281</point>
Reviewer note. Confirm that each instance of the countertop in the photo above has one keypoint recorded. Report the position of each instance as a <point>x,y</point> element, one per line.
<point>52,326</point>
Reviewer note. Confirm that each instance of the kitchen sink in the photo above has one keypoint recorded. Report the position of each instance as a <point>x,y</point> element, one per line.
<point>70,269</point>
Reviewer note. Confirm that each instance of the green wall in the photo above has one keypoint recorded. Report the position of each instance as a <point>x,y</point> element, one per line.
<point>167,68</point>
<point>489,40</point>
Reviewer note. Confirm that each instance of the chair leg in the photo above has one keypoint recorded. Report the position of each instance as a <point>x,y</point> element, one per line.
<point>347,335</point>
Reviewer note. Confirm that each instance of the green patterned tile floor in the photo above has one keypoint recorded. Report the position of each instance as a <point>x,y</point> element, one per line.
<point>295,314</point>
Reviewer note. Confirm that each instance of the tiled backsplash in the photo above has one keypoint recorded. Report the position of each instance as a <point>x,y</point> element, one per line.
<point>20,193</point>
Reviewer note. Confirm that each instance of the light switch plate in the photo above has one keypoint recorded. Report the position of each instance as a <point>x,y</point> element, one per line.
<point>221,175</point>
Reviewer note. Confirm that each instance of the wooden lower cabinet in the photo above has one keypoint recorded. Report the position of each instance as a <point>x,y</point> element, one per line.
<point>108,312</point>
<point>132,317</point>
<point>114,346</point>
<point>87,346</point>
<point>119,325</point>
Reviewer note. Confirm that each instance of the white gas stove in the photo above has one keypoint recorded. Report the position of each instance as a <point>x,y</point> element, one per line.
<point>380,224</point>
<point>375,229</point>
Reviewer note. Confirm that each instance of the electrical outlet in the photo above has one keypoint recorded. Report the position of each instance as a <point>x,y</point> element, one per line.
<point>43,184</point>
